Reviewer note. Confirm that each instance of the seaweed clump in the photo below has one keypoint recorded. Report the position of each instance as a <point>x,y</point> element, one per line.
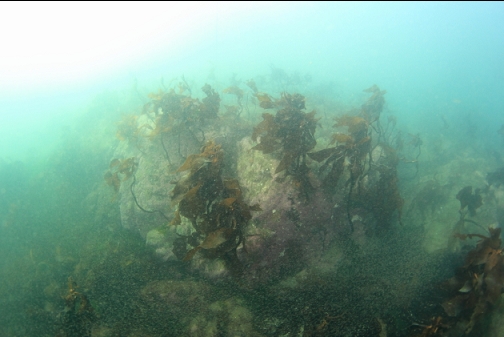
<point>214,206</point>
<point>77,318</point>
<point>119,170</point>
<point>353,148</point>
<point>291,131</point>
<point>351,151</point>
<point>172,109</point>
<point>469,199</point>
<point>181,115</point>
<point>357,155</point>
<point>477,286</point>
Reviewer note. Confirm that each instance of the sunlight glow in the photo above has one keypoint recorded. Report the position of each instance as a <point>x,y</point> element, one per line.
<point>54,43</point>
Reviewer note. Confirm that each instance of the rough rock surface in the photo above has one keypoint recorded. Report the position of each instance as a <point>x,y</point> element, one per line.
<point>293,230</point>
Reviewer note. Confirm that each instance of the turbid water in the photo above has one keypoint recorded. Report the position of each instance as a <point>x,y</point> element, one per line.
<point>298,169</point>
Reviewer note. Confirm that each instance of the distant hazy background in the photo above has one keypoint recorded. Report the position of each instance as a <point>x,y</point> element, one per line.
<point>434,59</point>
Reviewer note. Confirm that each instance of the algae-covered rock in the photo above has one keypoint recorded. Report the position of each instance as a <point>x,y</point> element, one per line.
<point>291,231</point>
<point>223,318</point>
<point>177,299</point>
<point>192,308</point>
<point>298,220</point>
<point>144,193</point>
<point>170,305</point>
<point>144,197</point>
<point>432,202</point>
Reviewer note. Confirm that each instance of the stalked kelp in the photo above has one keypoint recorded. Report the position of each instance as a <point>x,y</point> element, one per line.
<point>477,286</point>
<point>183,108</point>
<point>180,115</point>
<point>214,206</point>
<point>369,164</point>
<point>354,147</point>
<point>290,132</point>
<point>352,151</point>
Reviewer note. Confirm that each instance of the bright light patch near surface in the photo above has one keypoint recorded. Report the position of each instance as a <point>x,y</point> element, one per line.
<point>53,43</point>
<point>49,44</point>
<point>55,55</point>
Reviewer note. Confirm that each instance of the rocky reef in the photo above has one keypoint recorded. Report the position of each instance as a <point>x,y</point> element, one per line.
<point>196,182</point>
<point>270,207</point>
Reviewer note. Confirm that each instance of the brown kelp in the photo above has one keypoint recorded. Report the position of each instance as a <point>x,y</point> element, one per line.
<point>119,170</point>
<point>352,151</point>
<point>290,133</point>
<point>370,165</point>
<point>478,284</point>
<point>183,108</point>
<point>180,115</point>
<point>214,206</point>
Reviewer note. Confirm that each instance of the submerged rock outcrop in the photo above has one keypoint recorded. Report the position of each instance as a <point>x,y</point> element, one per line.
<point>263,207</point>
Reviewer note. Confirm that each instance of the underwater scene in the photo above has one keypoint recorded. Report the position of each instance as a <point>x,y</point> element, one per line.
<point>251,169</point>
